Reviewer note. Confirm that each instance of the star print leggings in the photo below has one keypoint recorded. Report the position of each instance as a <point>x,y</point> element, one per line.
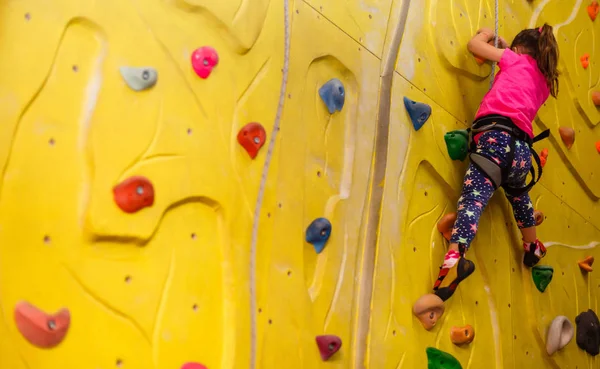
<point>478,189</point>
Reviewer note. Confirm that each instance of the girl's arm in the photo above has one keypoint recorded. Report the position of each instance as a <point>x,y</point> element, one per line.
<point>480,45</point>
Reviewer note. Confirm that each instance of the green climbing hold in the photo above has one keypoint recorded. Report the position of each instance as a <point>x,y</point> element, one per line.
<point>441,360</point>
<point>542,275</point>
<point>457,143</point>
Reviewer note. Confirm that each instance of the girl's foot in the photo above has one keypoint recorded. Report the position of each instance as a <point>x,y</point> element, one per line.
<point>534,252</point>
<point>452,272</point>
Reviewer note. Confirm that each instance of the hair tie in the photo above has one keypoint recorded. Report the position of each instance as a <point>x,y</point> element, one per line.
<point>540,29</point>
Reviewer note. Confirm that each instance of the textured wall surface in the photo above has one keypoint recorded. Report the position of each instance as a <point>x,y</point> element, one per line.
<point>174,283</point>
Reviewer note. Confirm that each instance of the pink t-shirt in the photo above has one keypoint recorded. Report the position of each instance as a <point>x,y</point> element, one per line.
<point>518,92</point>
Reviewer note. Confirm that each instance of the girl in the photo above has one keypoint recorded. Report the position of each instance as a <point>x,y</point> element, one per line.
<point>503,134</point>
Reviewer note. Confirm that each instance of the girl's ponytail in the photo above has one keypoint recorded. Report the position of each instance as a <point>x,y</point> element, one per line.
<point>547,57</point>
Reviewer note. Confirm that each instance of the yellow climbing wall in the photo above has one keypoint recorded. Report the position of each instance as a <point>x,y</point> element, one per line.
<point>173,284</point>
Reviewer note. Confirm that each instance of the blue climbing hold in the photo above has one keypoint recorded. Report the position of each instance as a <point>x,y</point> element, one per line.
<point>333,95</point>
<point>318,233</point>
<point>419,112</point>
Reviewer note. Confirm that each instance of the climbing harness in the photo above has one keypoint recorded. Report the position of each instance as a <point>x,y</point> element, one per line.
<point>491,168</point>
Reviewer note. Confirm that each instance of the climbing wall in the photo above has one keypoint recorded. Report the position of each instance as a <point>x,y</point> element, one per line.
<point>195,184</point>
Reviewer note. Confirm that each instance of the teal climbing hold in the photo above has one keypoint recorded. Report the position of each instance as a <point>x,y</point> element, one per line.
<point>318,233</point>
<point>139,78</point>
<point>437,359</point>
<point>542,275</point>
<point>333,95</point>
<point>457,143</point>
<point>418,112</point>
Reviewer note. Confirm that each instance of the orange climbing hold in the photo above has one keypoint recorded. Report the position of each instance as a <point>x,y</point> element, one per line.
<point>543,161</point>
<point>429,309</point>
<point>39,328</point>
<point>134,194</point>
<point>593,10</point>
<point>585,60</point>
<point>567,135</point>
<point>586,264</point>
<point>462,335</point>
<point>596,98</point>
<point>598,146</point>
<point>252,137</point>
<point>446,224</point>
<point>538,216</point>
<point>544,153</point>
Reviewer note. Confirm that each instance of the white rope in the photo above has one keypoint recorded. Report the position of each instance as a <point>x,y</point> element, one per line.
<point>263,181</point>
<point>495,44</point>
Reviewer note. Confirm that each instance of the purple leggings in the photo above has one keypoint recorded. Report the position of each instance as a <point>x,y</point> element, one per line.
<point>478,189</point>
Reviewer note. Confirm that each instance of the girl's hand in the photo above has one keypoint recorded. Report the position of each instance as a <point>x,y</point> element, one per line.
<point>487,32</point>
<point>502,44</point>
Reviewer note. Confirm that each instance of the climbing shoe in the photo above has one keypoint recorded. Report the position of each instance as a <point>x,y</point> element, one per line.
<point>534,252</point>
<point>449,278</point>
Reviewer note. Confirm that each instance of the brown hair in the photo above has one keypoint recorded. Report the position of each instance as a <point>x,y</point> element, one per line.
<point>541,45</point>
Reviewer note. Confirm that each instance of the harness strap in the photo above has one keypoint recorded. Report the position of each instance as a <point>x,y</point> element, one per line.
<point>492,169</point>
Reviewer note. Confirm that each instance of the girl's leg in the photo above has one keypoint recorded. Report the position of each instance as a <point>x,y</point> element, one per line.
<point>523,207</point>
<point>476,192</point>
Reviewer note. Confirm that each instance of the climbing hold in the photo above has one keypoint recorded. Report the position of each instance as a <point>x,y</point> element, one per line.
<point>457,144</point>
<point>333,95</point>
<point>539,217</point>
<point>543,157</point>
<point>39,328</point>
<point>328,345</point>
<point>446,224</point>
<point>593,10</point>
<point>559,335</point>
<point>441,360</point>
<point>596,98</point>
<point>586,264</point>
<point>134,194</point>
<point>418,112</point>
<point>588,332</point>
<point>542,275</point>
<point>585,60</point>
<point>139,78</point>
<point>598,146</point>
<point>204,59</point>
<point>567,134</point>
<point>479,60</point>
<point>252,137</point>
<point>193,366</point>
<point>462,335</point>
<point>318,233</point>
<point>428,309</point>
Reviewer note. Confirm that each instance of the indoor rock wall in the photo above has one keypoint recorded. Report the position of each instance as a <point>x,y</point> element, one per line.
<point>128,195</point>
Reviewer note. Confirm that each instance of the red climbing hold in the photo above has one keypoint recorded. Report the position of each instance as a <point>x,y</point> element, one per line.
<point>593,10</point>
<point>39,328</point>
<point>204,59</point>
<point>193,366</point>
<point>133,194</point>
<point>328,345</point>
<point>585,60</point>
<point>252,137</point>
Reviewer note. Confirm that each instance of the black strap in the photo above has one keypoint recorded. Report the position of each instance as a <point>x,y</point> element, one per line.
<point>501,123</point>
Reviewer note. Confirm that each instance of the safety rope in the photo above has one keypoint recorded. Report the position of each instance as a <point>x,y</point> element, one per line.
<point>495,44</point>
<point>263,181</point>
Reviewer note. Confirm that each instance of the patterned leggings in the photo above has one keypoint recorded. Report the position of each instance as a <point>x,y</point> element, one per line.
<point>478,189</point>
